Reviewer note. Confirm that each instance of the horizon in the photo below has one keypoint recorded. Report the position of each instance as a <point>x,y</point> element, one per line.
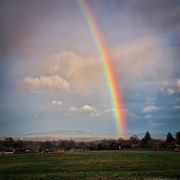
<point>127,136</point>
<point>50,72</point>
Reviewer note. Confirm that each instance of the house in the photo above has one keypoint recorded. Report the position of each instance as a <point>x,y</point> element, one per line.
<point>47,151</point>
<point>159,144</point>
<point>135,146</point>
<point>60,150</point>
<point>9,153</point>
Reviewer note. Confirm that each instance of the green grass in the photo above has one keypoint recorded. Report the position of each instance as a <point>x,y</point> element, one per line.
<point>92,165</point>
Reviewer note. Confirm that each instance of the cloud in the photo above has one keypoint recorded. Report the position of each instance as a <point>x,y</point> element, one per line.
<point>151,108</point>
<point>164,13</point>
<point>170,92</point>
<point>147,54</point>
<point>167,87</point>
<point>176,107</point>
<point>165,83</point>
<point>51,82</point>
<point>87,108</point>
<point>95,114</point>
<point>76,69</point>
<point>148,116</point>
<point>178,84</point>
<point>109,110</point>
<point>83,108</point>
<point>162,90</point>
<point>151,100</point>
<point>72,108</point>
<point>18,27</point>
<point>54,102</point>
<point>154,124</point>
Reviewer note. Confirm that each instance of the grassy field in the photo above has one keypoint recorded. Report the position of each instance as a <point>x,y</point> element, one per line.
<point>92,165</point>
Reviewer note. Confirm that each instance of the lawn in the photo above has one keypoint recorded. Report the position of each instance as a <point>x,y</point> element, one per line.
<point>92,165</point>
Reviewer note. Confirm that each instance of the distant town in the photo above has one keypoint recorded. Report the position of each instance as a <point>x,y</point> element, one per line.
<point>9,146</point>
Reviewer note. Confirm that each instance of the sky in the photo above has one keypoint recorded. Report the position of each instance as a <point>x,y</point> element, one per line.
<point>51,77</point>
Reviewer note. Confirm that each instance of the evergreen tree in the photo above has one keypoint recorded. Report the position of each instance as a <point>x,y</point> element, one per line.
<point>178,137</point>
<point>147,136</point>
<point>170,138</point>
<point>146,139</point>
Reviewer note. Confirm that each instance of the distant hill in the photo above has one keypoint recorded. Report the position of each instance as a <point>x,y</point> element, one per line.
<point>65,135</point>
<point>75,135</point>
<point>69,134</point>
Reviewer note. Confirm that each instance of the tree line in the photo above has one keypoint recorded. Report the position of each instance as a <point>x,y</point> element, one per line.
<point>9,144</point>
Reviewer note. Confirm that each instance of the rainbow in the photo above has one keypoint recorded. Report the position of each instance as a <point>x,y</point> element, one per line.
<point>108,68</point>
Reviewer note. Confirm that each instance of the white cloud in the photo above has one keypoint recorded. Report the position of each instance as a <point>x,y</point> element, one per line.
<point>75,68</point>
<point>148,116</point>
<point>165,83</point>
<point>170,91</point>
<point>178,84</point>
<point>83,108</point>
<point>151,100</point>
<point>51,82</point>
<point>95,114</point>
<point>162,90</point>
<point>87,108</point>
<point>151,108</point>
<point>72,108</point>
<point>154,124</point>
<point>176,107</point>
<point>54,102</point>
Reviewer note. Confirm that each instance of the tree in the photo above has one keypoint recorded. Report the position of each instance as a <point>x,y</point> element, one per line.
<point>45,145</point>
<point>134,139</point>
<point>170,138</point>
<point>114,146</point>
<point>178,137</point>
<point>1,146</point>
<point>64,144</point>
<point>146,140</point>
<point>103,145</point>
<point>71,144</point>
<point>147,136</point>
<point>81,145</point>
<point>20,145</point>
<point>91,146</point>
<point>9,142</point>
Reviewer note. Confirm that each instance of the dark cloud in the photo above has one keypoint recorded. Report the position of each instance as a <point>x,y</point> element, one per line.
<point>160,14</point>
<point>20,21</point>
<point>18,27</point>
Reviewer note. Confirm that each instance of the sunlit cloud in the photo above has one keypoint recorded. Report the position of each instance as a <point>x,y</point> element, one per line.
<point>151,109</point>
<point>54,102</point>
<point>170,91</point>
<point>87,108</point>
<point>72,108</point>
<point>83,108</point>
<point>51,82</point>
